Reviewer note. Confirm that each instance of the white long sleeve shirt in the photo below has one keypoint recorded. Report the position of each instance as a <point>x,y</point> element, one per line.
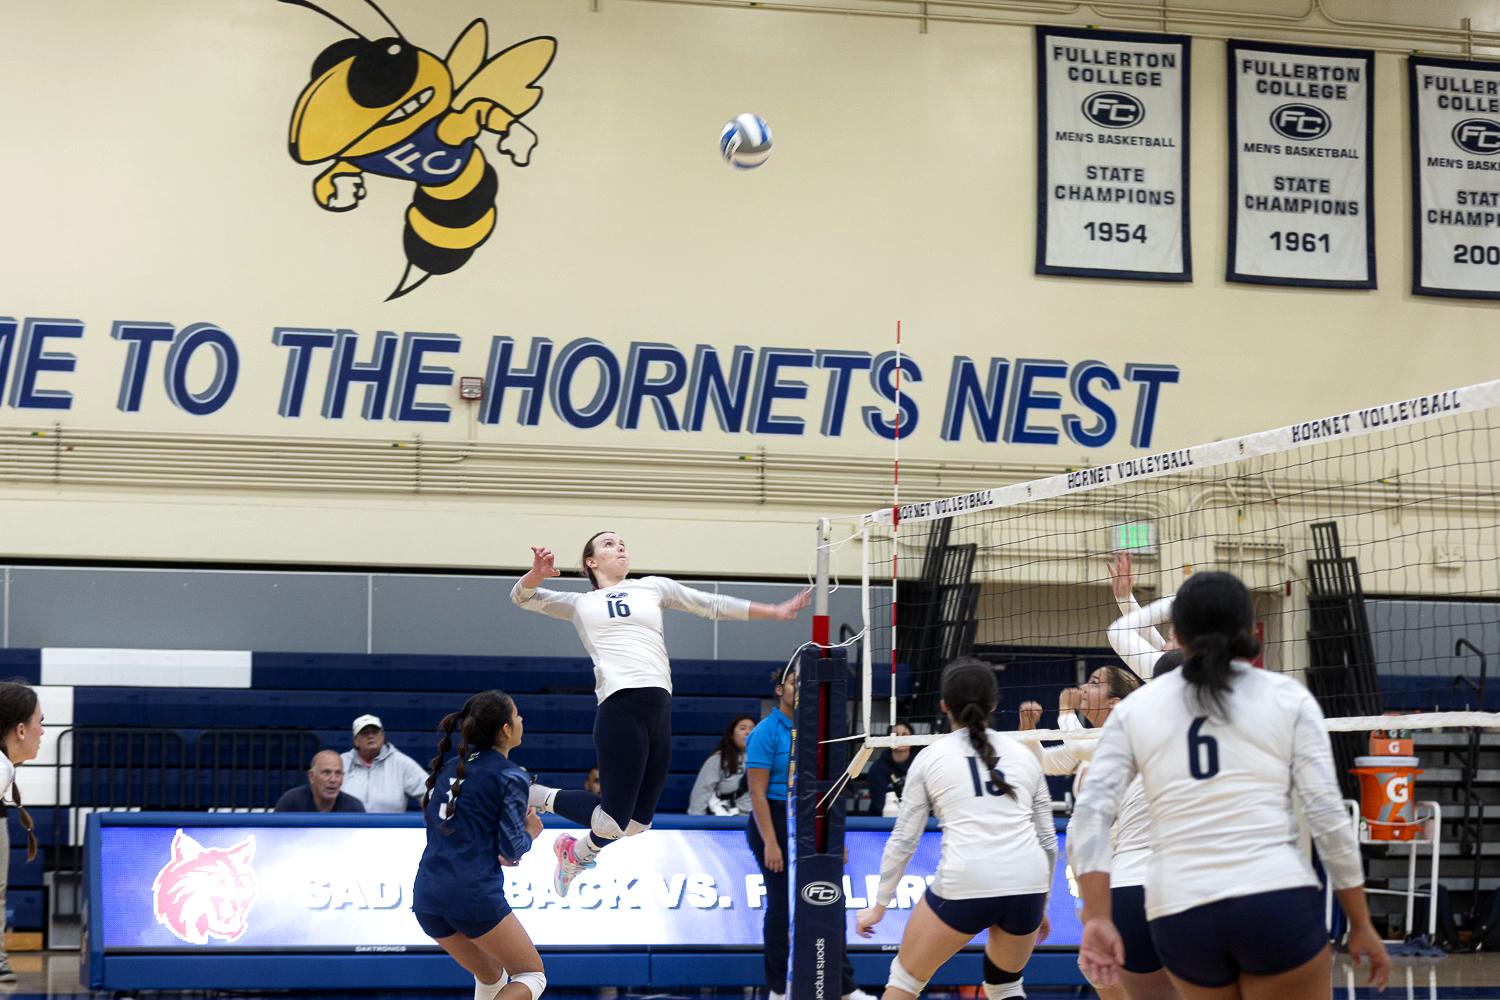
<point>993,845</point>
<point>1219,793</point>
<point>1134,636</point>
<point>621,626</point>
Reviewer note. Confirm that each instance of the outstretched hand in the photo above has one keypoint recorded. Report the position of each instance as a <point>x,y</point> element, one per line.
<point>787,610</point>
<point>1101,952</point>
<point>1120,580</point>
<point>541,563</point>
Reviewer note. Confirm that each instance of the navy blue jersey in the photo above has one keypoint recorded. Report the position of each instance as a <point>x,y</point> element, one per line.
<point>422,157</point>
<point>460,874</point>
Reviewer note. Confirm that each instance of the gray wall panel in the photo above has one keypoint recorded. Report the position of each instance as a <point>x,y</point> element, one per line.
<point>466,616</point>
<point>187,609</point>
<point>1417,637</point>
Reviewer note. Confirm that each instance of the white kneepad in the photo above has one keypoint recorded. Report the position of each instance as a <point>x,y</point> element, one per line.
<point>904,981</point>
<point>604,826</point>
<point>634,827</point>
<point>1013,991</point>
<point>535,982</point>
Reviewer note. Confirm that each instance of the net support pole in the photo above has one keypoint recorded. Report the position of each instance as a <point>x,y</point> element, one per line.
<point>815,827</point>
<point>820,590</point>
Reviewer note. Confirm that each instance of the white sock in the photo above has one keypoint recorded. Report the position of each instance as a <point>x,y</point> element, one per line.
<point>586,850</point>
<point>541,798</point>
<point>1005,991</point>
<point>488,991</point>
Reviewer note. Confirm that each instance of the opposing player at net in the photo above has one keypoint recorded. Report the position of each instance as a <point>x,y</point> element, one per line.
<point>620,623</point>
<point>1133,636</point>
<point>1221,748</point>
<point>999,846</point>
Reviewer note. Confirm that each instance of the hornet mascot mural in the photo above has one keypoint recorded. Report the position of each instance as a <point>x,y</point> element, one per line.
<point>378,103</point>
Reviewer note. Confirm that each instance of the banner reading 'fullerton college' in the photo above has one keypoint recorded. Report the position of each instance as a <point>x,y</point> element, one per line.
<point>1112,155</point>
<point>1455,177</point>
<point>1301,173</point>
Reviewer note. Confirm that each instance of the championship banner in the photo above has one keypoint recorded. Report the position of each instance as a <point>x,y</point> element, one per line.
<point>1112,155</point>
<point>1455,177</point>
<point>1301,169</point>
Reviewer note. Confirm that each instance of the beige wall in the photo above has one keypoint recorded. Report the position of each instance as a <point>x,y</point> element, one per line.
<point>154,185</point>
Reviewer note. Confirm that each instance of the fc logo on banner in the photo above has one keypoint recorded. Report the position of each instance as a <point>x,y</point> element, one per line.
<point>1302,122</point>
<point>1479,136</point>
<point>1111,109</point>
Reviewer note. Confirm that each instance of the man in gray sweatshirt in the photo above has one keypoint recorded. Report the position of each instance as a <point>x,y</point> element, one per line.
<point>378,774</point>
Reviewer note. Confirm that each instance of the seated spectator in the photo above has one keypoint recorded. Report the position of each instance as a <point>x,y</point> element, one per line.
<point>721,788</point>
<point>322,792</point>
<point>379,775</point>
<point>591,783</point>
<point>887,775</point>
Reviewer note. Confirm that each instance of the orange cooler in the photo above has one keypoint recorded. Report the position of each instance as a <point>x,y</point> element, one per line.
<point>1387,802</point>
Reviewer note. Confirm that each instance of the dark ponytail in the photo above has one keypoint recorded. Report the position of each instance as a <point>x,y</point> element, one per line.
<point>970,692</point>
<point>478,724</point>
<point>1212,617</point>
<point>17,705</point>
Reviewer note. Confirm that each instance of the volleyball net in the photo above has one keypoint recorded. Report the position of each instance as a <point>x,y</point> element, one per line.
<point>1370,541</point>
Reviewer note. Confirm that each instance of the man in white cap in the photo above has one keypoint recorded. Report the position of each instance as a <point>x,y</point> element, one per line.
<point>378,774</point>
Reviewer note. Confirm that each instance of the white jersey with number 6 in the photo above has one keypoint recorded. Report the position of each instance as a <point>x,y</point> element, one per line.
<point>621,626</point>
<point>1219,792</point>
<point>993,845</point>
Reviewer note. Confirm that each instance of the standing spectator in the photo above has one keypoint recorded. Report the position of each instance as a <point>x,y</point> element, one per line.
<point>591,783</point>
<point>887,776</point>
<point>378,774</point>
<point>768,758</point>
<point>323,791</point>
<point>721,788</point>
<point>21,739</point>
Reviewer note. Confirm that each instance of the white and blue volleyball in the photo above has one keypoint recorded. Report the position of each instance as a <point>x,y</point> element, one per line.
<point>746,141</point>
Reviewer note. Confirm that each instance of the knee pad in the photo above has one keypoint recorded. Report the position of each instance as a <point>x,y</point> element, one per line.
<point>1013,990</point>
<point>535,982</point>
<point>995,975</point>
<point>488,991</point>
<point>633,827</point>
<point>604,827</point>
<point>902,980</point>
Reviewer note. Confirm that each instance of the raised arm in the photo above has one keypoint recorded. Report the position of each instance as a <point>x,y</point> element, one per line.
<point>1126,638</point>
<point>1122,582</point>
<point>528,594</point>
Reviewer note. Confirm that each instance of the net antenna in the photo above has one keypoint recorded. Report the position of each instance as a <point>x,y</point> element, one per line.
<point>1369,539</point>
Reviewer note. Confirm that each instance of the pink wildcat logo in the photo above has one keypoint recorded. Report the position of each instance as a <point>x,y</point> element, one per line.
<point>205,892</point>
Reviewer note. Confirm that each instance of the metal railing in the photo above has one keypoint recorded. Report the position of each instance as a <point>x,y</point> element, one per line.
<point>110,769</point>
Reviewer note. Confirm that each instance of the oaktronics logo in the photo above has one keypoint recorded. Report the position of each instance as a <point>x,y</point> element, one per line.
<point>377,104</point>
<point>1112,109</point>
<point>821,893</point>
<point>205,892</point>
<point>1302,122</point>
<point>1480,136</point>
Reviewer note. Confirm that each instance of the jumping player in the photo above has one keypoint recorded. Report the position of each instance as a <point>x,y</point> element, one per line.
<point>1234,908</point>
<point>478,821</point>
<point>999,846</point>
<point>620,623</point>
<point>1133,635</point>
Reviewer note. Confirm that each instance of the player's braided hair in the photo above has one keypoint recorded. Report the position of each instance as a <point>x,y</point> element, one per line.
<point>1212,617</point>
<point>971,694</point>
<point>17,705</point>
<point>478,724</point>
<point>588,552</point>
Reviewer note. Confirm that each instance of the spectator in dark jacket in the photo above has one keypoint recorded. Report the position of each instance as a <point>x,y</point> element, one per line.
<point>323,791</point>
<point>888,773</point>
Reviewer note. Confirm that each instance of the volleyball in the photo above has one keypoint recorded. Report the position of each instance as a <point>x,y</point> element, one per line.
<point>746,141</point>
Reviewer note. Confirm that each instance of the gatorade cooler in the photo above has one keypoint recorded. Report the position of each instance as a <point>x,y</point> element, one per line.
<point>1386,799</point>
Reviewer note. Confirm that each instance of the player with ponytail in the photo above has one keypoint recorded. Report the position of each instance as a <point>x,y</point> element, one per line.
<point>478,823</point>
<point>1233,907</point>
<point>999,846</point>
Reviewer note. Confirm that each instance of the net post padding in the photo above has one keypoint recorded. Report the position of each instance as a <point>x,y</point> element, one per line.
<point>815,826</point>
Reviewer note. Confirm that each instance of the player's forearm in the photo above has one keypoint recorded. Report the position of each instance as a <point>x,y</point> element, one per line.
<point>760,807</point>
<point>1093,889</point>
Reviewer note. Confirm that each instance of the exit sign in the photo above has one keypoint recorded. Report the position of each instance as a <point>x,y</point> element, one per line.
<point>1135,537</point>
